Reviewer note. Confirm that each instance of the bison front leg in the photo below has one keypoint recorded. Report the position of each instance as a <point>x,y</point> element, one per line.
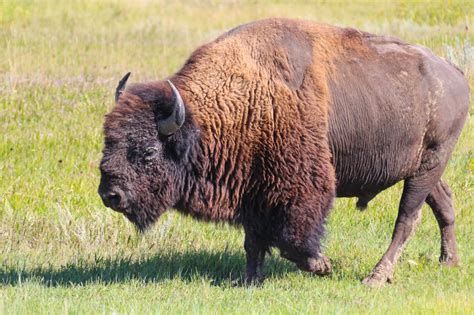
<point>255,254</point>
<point>300,243</point>
<point>319,265</point>
<point>316,263</point>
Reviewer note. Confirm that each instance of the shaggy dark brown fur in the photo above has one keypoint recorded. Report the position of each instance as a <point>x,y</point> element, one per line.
<point>276,111</point>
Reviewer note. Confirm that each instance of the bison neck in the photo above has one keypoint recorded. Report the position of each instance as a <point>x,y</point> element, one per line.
<point>218,181</point>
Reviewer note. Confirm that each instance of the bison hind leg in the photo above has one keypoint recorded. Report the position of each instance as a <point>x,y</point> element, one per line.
<point>424,184</point>
<point>440,201</point>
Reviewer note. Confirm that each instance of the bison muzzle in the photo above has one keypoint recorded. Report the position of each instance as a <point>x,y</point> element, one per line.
<point>264,126</point>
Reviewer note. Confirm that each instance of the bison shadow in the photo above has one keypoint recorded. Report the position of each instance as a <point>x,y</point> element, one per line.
<point>219,268</point>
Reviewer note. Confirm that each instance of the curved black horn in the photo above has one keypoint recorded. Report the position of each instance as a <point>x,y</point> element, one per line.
<point>121,86</point>
<point>175,120</point>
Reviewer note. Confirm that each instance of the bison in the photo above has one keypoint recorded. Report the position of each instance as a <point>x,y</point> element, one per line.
<point>264,126</point>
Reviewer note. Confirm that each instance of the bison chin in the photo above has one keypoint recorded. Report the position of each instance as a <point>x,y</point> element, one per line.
<point>142,219</point>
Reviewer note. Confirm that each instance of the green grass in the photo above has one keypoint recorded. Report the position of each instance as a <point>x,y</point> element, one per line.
<point>61,251</point>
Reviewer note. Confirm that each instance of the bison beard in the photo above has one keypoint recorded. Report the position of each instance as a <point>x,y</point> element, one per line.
<point>264,126</point>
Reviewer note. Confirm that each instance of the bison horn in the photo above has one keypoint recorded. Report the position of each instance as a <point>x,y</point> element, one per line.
<point>175,120</point>
<point>121,86</point>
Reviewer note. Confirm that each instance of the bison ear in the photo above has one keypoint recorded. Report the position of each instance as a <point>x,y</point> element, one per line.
<point>121,86</point>
<point>169,125</point>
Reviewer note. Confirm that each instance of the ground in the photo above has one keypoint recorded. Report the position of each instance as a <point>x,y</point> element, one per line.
<point>62,251</point>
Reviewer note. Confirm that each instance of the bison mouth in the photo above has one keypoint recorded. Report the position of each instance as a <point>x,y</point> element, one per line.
<point>139,217</point>
<point>140,223</point>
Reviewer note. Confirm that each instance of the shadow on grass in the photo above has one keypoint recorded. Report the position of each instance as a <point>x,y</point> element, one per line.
<point>219,268</point>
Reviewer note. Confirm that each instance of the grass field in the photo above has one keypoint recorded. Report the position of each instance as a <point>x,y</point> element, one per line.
<point>62,251</point>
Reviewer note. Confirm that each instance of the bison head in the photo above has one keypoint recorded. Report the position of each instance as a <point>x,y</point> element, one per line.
<point>147,140</point>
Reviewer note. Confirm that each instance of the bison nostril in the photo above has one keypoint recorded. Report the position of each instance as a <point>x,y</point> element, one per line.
<point>114,199</point>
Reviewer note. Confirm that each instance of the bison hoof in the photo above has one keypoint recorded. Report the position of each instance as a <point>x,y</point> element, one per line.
<point>320,266</point>
<point>361,205</point>
<point>252,281</point>
<point>377,279</point>
<point>449,261</point>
